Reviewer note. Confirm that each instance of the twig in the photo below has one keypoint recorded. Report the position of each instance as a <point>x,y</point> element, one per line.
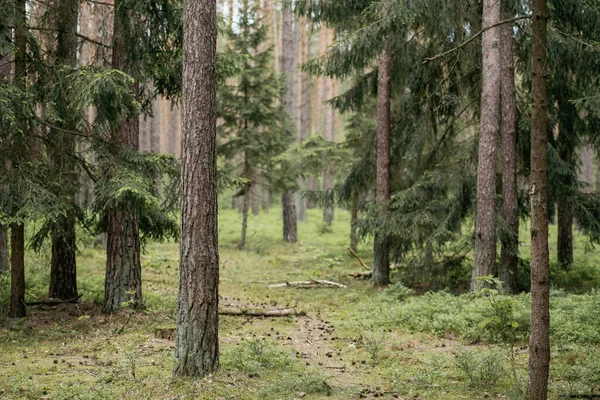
<point>358,258</point>
<point>475,36</point>
<point>122,328</point>
<point>52,302</point>
<point>89,39</point>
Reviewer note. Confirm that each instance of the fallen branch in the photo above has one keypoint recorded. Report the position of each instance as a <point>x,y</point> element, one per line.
<point>309,284</point>
<point>52,302</point>
<point>262,313</point>
<point>366,274</point>
<point>358,258</point>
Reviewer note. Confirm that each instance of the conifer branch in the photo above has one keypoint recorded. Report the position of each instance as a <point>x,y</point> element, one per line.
<point>89,39</point>
<point>102,3</point>
<point>475,36</point>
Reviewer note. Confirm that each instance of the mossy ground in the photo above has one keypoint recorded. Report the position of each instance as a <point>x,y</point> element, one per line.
<point>354,343</point>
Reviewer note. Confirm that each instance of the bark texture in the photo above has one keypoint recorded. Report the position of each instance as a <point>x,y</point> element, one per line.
<point>63,265</point>
<point>17,231</point>
<point>485,225</point>
<point>510,206</point>
<point>305,110</point>
<point>381,262</point>
<point>197,339</point>
<point>288,202</point>
<point>289,217</point>
<point>17,271</point>
<point>123,282</point>
<point>3,250</point>
<point>539,340</point>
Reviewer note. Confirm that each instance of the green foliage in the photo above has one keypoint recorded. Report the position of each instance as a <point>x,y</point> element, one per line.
<point>255,356</point>
<point>480,369</point>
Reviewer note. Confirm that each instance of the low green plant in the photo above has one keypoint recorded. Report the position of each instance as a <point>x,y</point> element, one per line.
<point>255,356</point>
<point>480,368</point>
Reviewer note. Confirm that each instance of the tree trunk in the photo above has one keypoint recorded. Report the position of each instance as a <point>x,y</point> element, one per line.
<point>328,133</point>
<point>353,220</point>
<point>254,199</point>
<point>289,217</point>
<point>510,205</point>
<point>3,250</point>
<point>17,231</point>
<point>305,110</point>
<point>539,340</point>
<point>265,197</point>
<point>287,68</point>
<point>381,254</point>
<point>63,265</point>
<point>123,282</point>
<point>586,169</point>
<point>245,203</point>
<point>564,248</point>
<point>197,338</point>
<point>485,230</point>
<point>17,271</point>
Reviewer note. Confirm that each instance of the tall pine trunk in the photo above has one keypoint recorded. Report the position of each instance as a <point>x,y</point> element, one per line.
<point>305,110</point>
<point>288,202</point>
<point>353,221</point>
<point>197,339</point>
<point>4,74</point>
<point>539,340</point>
<point>17,230</point>
<point>485,225</point>
<point>510,206</point>
<point>381,261</point>
<point>564,247</point>
<point>123,282</point>
<point>328,133</point>
<point>63,265</point>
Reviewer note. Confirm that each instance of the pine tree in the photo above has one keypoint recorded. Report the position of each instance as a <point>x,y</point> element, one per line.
<point>539,341</point>
<point>123,282</point>
<point>485,225</point>
<point>197,339</point>
<point>63,266</point>
<point>507,270</point>
<point>254,123</point>
<point>288,202</point>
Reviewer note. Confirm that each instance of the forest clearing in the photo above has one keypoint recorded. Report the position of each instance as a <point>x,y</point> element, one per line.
<point>355,342</point>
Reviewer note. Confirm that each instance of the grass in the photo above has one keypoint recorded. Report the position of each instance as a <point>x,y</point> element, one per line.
<point>355,343</point>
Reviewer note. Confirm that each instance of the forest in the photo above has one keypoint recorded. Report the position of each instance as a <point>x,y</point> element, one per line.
<point>299,199</point>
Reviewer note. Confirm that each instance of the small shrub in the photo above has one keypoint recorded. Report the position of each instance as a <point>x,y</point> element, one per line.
<point>480,368</point>
<point>254,356</point>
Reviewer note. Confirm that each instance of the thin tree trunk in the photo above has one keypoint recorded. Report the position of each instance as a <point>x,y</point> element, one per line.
<point>197,338</point>
<point>586,169</point>
<point>564,248</point>
<point>289,217</point>
<point>63,265</point>
<point>305,110</point>
<point>265,197</point>
<point>17,231</point>
<point>245,203</point>
<point>485,226</point>
<point>123,282</point>
<point>510,205</point>
<point>381,254</point>
<point>3,250</point>
<point>17,271</point>
<point>288,202</point>
<point>254,195</point>
<point>353,220</point>
<point>539,339</point>
<point>328,133</point>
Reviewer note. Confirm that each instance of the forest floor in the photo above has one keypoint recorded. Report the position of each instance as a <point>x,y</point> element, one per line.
<point>354,342</point>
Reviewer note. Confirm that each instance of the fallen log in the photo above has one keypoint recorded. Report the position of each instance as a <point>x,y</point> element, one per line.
<point>262,313</point>
<point>53,302</point>
<point>308,284</point>
<point>359,259</point>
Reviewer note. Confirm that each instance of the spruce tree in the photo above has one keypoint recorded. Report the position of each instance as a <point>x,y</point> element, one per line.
<point>255,123</point>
